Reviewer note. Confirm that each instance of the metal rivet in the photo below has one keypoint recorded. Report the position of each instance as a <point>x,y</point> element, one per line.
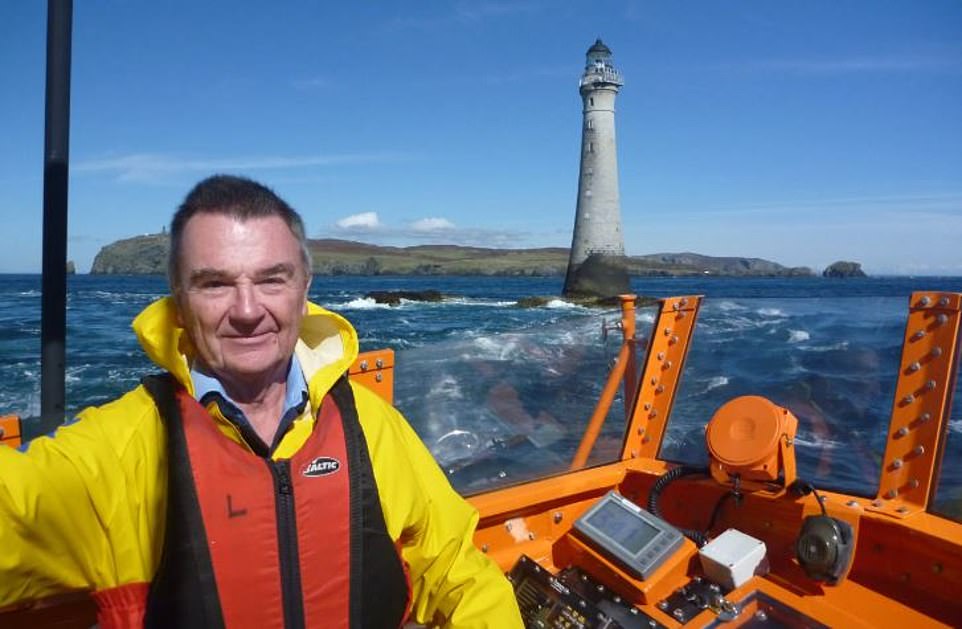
<point>646,439</point>
<point>918,450</point>
<point>912,484</point>
<point>673,340</point>
<point>558,517</point>
<point>918,335</point>
<point>930,385</point>
<point>903,509</point>
<point>531,536</point>
<point>647,406</point>
<point>942,319</point>
<point>914,367</point>
<point>936,352</point>
<point>892,493</point>
<point>908,399</point>
<point>924,417</point>
<point>944,301</point>
<point>876,503</point>
<point>634,454</point>
<point>653,413</point>
<point>897,464</point>
<point>484,548</point>
<point>925,301</point>
<point>679,614</point>
<point>663,605</point>
<point>661,355</point>
<point>684,302</point>
<point>680,315</point>
<point>659,389</point>
<point>363,365</point>
<point>667,364</point>
<point>379,363</point>
<point>378,377</point>
<point>667,332</point>
<point>901,432</point>
<point>654,381</point>
<point>852,503</point>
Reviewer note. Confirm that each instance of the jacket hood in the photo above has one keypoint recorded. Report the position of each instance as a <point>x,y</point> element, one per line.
<point>326,348</point>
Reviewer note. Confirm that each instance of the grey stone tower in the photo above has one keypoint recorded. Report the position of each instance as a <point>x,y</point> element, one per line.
<point>598,215</point>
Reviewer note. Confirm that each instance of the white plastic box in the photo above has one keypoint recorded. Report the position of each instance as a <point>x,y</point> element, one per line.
<point>733,558</point>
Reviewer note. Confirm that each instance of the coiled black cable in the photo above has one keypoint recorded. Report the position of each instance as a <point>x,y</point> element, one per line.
<point>663,481</point>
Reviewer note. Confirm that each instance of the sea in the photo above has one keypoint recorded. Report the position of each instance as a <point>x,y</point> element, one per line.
<point>501,394</point>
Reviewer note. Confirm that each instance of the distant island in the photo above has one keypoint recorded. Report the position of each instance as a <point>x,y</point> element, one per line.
<point>147,255</point>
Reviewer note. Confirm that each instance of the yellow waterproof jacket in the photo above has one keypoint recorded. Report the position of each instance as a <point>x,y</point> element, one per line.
<point>85,509</point>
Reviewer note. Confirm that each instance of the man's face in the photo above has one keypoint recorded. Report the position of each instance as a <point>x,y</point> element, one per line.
<point>242,292</point>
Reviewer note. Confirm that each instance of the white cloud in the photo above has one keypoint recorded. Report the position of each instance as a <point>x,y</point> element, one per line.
<point>362,221</point>
<point>432,225</point>
<point>148,167</point>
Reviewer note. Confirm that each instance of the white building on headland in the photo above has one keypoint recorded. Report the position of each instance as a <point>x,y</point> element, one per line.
<point>598,214</point>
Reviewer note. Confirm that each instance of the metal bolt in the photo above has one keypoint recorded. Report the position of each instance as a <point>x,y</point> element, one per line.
<point>918,450</point>
<point>942,319</point>
<point>930,385</point>
<point>901,432</point>
<point>914,367</point>
<point>654,381</point>
<point>903,509</point>
<point>897,464</point>
<point>379,363</point>
<point>918,335</point>
<point>646,439</point>
<point>661,355</point>
<point>558,517</point>
<point>925,301</point>
<point>634,454</point>
<point>908,399</point>
<point>667,364</point>
<point>484,548</point>
<point>653,413</point>
<point>641,430</point>
<point>363,365</point>
<point>912,484</point>
<point>378,377</point>
<point>924,417</point>
<point>944,301</point>
<point>679,614</point>
<point>876,503</point>
<point>892,493</point>
<point>647,406</point>
<point>600,588</point>
<point>852,503</point>
<point>531,536</point>
<point>673,340</point>
<point>663,605</point>
<point>936,352</point>
<point>660,389</point>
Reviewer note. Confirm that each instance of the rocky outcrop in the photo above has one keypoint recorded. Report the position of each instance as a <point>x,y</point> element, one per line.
<point>843,268</point>
<point>141,255</point>
<point>598,276</point>
<point>394,297</point>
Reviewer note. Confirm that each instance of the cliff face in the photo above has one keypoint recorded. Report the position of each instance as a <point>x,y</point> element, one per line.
<point>140,255</point>
<point>843,268</point>
<point>147,255</point>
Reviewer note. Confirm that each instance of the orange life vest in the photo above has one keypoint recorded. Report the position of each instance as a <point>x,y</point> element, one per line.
<point>252,542</point>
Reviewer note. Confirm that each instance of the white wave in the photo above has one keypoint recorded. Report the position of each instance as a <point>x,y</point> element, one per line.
<point>714,383</point>
<point>728,306</point>
<point>561,304</point>
<point>771,312</point>
<point>798,336</point>
<point>646,317</point>
<point>822,444</point>
<point>956,426</point>
<point>827,348</point>
<point>362,303</point>
<point>483,303</point>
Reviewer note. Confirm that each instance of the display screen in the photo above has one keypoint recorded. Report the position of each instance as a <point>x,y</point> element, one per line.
<point>626,529</point>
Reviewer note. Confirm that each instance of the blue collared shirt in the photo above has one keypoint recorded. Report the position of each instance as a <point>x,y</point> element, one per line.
<point>208,388</point>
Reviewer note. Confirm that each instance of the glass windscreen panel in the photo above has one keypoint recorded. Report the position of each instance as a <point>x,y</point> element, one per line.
<point>497,410</point>
<point>832,362</point>
<point>948,492</point>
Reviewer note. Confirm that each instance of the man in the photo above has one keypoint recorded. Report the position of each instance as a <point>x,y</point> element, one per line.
<point>252,485</point>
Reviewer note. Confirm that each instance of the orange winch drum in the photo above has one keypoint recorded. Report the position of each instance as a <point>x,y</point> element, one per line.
<point>752,438</point>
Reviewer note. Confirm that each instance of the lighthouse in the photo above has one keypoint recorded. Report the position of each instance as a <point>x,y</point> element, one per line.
<point>597,228</point>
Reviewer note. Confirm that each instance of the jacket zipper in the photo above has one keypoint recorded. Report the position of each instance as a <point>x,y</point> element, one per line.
<point>291,594</point>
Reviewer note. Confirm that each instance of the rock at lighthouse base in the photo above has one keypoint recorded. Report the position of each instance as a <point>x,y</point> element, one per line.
<point>599,276</point>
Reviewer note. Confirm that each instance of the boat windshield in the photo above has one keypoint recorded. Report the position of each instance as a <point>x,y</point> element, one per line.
<point>517,410</point>
<point>513,407</point>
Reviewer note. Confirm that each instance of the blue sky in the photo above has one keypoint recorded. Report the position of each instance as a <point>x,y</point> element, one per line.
<point>800,132</point>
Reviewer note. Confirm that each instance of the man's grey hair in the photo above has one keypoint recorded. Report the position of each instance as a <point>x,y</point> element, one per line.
<point>237,197</point>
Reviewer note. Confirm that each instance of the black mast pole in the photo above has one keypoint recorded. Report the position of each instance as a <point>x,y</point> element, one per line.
<point>53,319</point>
